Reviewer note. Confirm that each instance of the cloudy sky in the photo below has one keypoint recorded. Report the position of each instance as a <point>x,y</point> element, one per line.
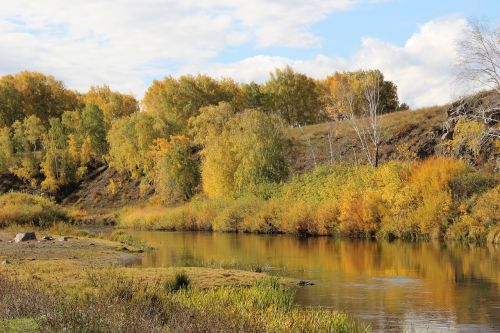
<point>129,43</point>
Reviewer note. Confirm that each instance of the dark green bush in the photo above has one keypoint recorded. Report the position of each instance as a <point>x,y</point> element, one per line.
<point>179,282</point>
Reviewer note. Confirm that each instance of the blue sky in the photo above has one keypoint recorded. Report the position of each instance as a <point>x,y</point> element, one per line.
<point>129,43</point>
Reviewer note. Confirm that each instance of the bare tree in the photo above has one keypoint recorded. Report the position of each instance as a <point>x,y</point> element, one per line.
<point>479,64</point>
<point>479,56</point>
<point>365,121</point>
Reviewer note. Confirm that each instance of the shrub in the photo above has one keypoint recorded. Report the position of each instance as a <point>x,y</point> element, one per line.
<point>231,218</point>
<point>466,184</point>
<point>179,282</point>
<point>299,219</point>
<point>267,219</point>
<point>438,197</point>
<point>22,209</point>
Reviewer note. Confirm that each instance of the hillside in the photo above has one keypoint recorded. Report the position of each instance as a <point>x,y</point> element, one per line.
<point>414,134</point>
<point>405,134</point>
<point>408,133</point>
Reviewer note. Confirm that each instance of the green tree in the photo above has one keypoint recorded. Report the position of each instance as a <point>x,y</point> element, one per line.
<point>176,173</point>
<point>254,96</point>
<point>27,138</point>
<point>293,96</point>
<point>58,166</point>
<point>249,151</point>
<point>130,139</point>
<point>94,128</point>
<point>6,150</point>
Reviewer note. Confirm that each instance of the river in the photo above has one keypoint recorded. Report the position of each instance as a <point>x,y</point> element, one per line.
<point>424,286</point>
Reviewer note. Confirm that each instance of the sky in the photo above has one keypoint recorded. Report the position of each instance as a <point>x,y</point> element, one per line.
<point>129,43</point>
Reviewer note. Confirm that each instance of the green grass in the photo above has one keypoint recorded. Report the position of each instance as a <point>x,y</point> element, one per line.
<point>19,325</point>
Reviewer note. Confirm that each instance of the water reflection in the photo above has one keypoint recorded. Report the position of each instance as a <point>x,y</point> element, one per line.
<point>430,286</point>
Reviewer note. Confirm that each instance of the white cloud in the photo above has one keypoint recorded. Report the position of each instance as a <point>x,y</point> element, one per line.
<point>423,68</point>
<point>125,43</point>
<point>122,42</point>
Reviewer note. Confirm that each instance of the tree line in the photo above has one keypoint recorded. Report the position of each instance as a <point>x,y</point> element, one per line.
<point>194,132</point>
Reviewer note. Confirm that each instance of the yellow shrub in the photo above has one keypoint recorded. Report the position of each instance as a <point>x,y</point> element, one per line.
<point>299,218</point>
<point>232,217</point>
<point>487,208</point>
<point>327,217</point>
<point>22,208</point>
<point>360,213</point>
<point>267,219</point>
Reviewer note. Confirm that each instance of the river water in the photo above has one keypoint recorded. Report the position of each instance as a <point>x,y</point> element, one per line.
<point>425,286</point>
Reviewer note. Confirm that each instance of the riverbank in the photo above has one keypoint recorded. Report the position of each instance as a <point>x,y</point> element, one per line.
<point>85,284</point>
<point>438,198</point>
<point>69,262</point>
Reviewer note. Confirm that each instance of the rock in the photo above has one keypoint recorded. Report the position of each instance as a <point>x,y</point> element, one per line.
<point>304,283</point>
<point>63,238</point>
<point>25,236</point>
<point>5,262</point>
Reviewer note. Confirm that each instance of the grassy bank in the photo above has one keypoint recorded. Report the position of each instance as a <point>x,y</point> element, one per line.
<point>436,198</point>
<point>28,209</point>
<point>118,304</point>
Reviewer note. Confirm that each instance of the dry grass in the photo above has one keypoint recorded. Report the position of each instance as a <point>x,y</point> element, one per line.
<point>114,303</point>
<point>413,133</point>
<point>28,209</point>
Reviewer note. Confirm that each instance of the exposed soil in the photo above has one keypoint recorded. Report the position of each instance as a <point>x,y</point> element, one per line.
<point>93,194</point>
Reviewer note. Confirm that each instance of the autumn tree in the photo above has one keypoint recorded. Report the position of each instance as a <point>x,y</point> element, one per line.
<point>175,172</point>
<point>27,138</point>
<point>113,104</point>
<point>293,96</point>
<point>10,102</point>
<point>130,139</point>
<point>34,94</point>
<point>209,124</point>
<point>250,150</point>
<point>359,98</point>
<point>174,101</point>
<point>333,90</point>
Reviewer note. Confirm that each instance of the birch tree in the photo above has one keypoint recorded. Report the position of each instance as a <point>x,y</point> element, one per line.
<point>363,111</point>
